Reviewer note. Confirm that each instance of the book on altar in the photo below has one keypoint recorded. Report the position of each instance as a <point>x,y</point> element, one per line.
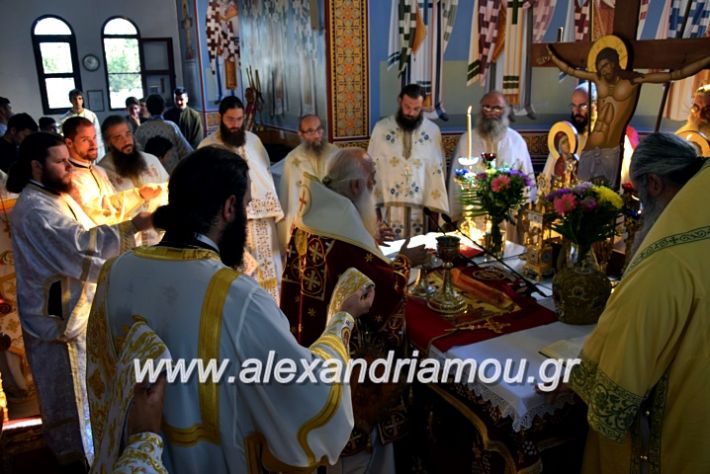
<point>564,348</point>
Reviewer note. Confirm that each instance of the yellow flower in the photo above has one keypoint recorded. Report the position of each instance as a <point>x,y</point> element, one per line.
<point>607,195</point>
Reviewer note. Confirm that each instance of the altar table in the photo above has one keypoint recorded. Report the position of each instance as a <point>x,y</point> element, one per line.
<point>509,426</point>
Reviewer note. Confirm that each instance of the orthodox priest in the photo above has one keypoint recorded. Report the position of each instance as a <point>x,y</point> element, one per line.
<point>335,231</point>
<point>264,210</point>
<point>411,168</point>
<point>58,254</point>
<point>644,368</point>
<point>312,156</point>
<point>491,135</point>
<point>186,291</point>
<point>129,168</point>
<point>91,187</point>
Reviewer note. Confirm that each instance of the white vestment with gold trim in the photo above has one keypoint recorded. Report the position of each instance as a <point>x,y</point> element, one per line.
<point>58,255</point>
<point>411,174</point>
<point>154,174</point>
<point>93,191</point>
<point>263,212</point>
<point>202,309</point>
<point>296,163</point>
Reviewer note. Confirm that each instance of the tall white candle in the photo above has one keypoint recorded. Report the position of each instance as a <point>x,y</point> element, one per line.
<point>468,130</point>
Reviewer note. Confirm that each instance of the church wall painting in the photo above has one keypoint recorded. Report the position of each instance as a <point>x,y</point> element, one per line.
<point>551,103</point>
<point>278,45</point>
<point>285,42</point>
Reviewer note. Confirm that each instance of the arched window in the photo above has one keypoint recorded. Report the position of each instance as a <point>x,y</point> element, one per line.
<point>57,62</point>
<point>122,56</point>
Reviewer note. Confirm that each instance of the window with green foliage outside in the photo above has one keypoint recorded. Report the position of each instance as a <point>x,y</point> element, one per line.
<point>123,61</point>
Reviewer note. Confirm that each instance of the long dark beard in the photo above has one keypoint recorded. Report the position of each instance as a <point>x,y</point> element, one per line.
<point>235,139</point>
<point>129,165</point>
<point>315,148</point>
<point>492,128</point>
<point>231,247</point>
<point>579,121</point>
<point>56,185</point>
<point>408,124</point>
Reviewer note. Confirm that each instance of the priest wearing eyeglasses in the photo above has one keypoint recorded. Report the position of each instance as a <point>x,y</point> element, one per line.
<point>492,134</point>
<point>312,156</point>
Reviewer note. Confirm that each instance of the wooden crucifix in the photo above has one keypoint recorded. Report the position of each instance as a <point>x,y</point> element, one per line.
<point>618,89</point>
<point>652,54</point>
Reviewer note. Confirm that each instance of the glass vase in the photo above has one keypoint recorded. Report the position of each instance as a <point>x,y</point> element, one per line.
<point>495,236</point>
<point>580,289</point>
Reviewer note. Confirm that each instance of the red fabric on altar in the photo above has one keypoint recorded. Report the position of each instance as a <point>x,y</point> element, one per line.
<point>469,252</point>
<point>424,324</point>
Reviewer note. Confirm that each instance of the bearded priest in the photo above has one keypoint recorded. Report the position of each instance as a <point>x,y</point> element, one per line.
<point>335,230</point>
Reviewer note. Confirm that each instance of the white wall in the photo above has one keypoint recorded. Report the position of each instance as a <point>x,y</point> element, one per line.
<point>18,74</point>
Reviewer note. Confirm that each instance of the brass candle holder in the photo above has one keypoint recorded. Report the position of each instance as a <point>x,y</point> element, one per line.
<point>447,300</point>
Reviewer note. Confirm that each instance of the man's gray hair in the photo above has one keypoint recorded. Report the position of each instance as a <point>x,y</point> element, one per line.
<point>346,166</point>
<point>666,155</point>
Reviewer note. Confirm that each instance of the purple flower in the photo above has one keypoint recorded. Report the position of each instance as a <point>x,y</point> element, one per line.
<point>526,179</point>
<point>481,176</point>
<point>556,194</point>
<point>589,204</point>
<point>582,188</point>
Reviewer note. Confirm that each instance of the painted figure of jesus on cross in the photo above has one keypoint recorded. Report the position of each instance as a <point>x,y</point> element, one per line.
<point>618,88</point>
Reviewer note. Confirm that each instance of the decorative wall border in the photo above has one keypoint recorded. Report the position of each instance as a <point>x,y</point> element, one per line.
<point>348,69</point>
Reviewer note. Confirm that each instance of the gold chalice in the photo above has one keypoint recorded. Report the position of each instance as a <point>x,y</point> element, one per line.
<point>447,300</point>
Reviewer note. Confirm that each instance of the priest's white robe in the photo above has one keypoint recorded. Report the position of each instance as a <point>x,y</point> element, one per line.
<point>263,212</point>
<point>511,151</point>
<point>58,255</point>
<point>204,310</point>
<point>154,174</point>
<point>93,191</point>
<point>407,184</point>
<point>16,377</point>
<point>142,454</point>
<point>296,163</point>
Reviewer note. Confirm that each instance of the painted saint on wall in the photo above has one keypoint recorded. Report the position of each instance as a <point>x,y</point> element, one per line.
<point>222,32</point>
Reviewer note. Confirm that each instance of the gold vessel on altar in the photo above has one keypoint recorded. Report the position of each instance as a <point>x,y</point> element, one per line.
<point>447,300</point>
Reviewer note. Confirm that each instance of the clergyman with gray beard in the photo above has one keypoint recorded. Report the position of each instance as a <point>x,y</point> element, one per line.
<point>311,157</point>
<point>492,134</point>
<point>658,178</point>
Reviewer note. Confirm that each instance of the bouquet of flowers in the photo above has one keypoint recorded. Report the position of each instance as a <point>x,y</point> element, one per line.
<point>497,191</point>
<point>585,214</point>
